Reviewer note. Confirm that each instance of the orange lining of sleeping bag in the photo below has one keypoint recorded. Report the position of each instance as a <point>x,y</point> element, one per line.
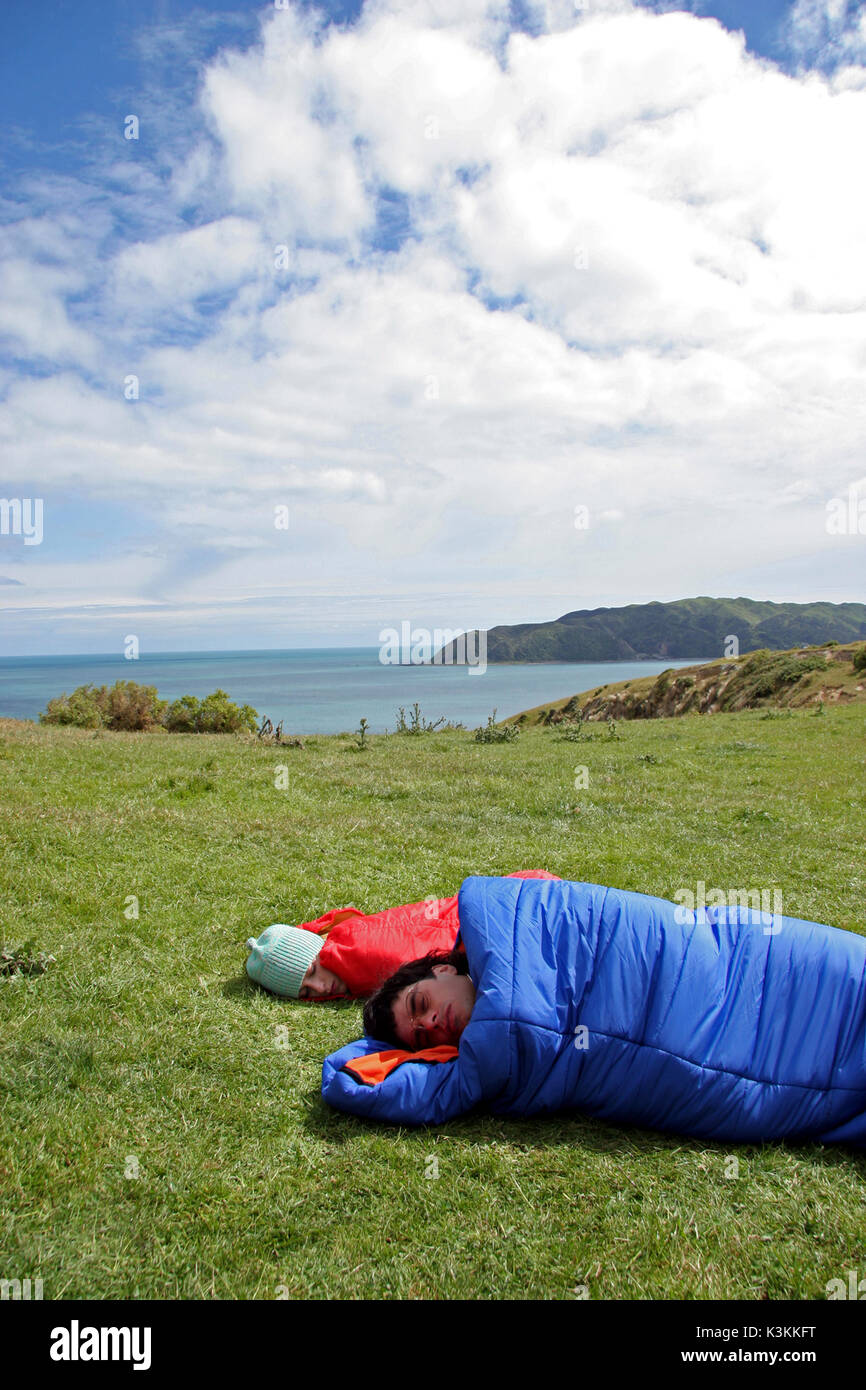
<point>375,1066</point>
<point>322,925</point>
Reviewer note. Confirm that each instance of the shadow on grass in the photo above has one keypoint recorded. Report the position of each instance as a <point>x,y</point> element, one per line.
<point>566,1131</point>
<point>241,986</point>
<point>561,1130</point>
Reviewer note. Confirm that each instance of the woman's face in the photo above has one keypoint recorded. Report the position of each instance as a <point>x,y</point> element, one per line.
<point>319,983</point>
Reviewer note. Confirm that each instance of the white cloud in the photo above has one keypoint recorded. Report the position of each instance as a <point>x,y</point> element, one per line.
<point>183,266</point>
<point>285,141</point>
<point>674,228</point>
<point>34,319</point>
<point>828,32</point>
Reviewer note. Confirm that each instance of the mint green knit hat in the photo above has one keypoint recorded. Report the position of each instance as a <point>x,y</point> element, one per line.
<point>281,957</point>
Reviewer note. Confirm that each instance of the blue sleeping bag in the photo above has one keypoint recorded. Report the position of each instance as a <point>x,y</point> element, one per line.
<point>721,1023</point>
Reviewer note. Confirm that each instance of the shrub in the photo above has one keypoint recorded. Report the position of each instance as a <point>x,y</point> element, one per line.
<point>82,708</point>
<point>859,659</point>
<point>137,707</point>
<point>572,728</point>
<point>218,715</point>
<point>130,706</point>
<point>215,714</point>
<point>418,724</point>
<point>494,733</point>
<point>181,716</point>
<point>124,706</point>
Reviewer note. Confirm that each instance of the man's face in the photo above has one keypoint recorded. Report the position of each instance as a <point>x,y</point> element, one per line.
<point>434,1011</point>
<point>319,983</point>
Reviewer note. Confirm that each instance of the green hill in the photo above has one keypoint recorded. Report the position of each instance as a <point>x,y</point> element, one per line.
<point>784,680</point>
<point>686,627</point>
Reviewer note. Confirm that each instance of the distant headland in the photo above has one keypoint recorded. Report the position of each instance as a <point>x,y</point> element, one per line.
<point>661,631</point>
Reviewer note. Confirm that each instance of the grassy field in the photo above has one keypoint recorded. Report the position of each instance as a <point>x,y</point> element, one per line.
<point>158,1140</point>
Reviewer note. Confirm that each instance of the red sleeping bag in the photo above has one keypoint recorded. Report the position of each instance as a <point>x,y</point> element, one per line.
<point>364,949</point>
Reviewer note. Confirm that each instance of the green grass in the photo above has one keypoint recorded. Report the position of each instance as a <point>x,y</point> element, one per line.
<point>145,1044</point>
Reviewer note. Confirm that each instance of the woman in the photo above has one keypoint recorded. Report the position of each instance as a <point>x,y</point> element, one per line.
<point>350,953</point>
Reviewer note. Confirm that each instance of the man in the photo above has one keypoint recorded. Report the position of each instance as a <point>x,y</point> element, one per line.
<point>426,1003</point>
<point>725,1023</point>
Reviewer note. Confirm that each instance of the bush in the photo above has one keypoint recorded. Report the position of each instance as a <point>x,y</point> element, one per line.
<point>494,733</point>
<point>82,708</point>
<point>572,729</point>
<point>215,714</point>
<point>181,716</point>
<point>859,659</point>
<point>124,706</point>
<point>138,707</point>
<point>417,723</point>
<point>132,706</point>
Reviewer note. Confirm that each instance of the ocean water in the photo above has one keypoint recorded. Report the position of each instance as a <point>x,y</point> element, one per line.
<point>320,691</point>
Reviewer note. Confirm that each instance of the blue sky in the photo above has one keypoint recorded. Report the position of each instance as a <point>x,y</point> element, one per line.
<point>80,60</point>
<point>532,258</point>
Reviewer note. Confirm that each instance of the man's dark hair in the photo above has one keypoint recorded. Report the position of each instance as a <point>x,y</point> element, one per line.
<point>379,1008</point>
